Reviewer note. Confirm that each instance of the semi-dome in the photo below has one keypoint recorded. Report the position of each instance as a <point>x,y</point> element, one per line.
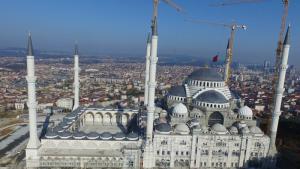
<point>180,108</point>
<point>181,129</point>
<point>132,136</point>
<point>93,135</point>
<point>245,130</point>
<point>79,135</point>
<point>212,96</point>
<point>177,91</point>
<point>106,136</point>
<point>206,74</point>
<point>219,128</point>
<point>245,112</point>
<point>163,128</point>
<point>119,136</point>
<point>256,130</point>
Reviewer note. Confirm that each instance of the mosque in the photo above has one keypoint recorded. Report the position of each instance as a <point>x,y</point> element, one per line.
<point>199,124</point>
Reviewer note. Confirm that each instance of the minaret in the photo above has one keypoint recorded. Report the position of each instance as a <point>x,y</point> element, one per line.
<point>76,77</point>
<point>227,62</point>
<point>34,142</point>
<point>279,92</point>
<point>148,52</point>
<point>152,81</point>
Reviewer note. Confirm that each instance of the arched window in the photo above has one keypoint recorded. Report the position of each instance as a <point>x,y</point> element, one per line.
<point>215,117</point>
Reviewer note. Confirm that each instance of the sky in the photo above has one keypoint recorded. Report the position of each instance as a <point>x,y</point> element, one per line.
<point>120,27</point>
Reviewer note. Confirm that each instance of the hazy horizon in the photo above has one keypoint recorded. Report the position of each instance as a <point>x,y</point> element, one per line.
<point>116,27</point>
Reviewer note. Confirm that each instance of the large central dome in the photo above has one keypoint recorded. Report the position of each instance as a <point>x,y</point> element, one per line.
<point>206,74</point>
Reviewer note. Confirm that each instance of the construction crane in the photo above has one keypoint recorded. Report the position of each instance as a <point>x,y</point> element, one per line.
<point>170,3</point>
<point>277,61</point>
<point>280,41</point>
<point>233,27</point>
<point>235,2</point>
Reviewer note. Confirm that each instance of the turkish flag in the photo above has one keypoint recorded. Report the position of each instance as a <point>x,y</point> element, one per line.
<point>215,58</point>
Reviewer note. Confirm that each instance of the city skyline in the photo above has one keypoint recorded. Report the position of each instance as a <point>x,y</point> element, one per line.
<point>56,25</point>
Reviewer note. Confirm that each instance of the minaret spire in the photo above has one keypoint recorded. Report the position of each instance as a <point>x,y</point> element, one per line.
<point>279,92</point>
<point>152,81</point>
<point>34,142</point>
<point>29,46</point>
<point>76,77</point>
<point>76,48</point>
<point>148,53</point>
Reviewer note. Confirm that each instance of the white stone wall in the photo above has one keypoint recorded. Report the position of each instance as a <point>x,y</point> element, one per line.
<point>207,150</point>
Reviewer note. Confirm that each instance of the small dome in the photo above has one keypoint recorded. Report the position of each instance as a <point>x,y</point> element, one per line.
<point>245,130</point>
<point>119,136</point>
<point>65,135</point>
<point>79,135</point>
<point>180,109</point>
<point>106,136</point>
<point>256,130</point>
<point>219,128</point>
<point>132,136</point>
<point>206,74</point>
<point>233,130</point>
<point>181,129</point>
<point>93,135</point>
<point>245,112</point>
<point>163,128</point>
<point>51,134</point>
<point>212,96</point>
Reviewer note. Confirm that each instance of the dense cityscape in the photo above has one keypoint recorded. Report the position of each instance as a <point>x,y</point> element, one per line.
<point>109,84</point>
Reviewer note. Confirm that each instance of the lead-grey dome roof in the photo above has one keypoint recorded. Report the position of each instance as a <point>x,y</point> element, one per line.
<point>79,135</point>
<point>51,134</point>
<point>119,135</point>
<point>132,135</point>
<point>212,96</point>
<point>206,74</point>
<point>163,127</point>
<point>177,91</point>
<point>106,135</point>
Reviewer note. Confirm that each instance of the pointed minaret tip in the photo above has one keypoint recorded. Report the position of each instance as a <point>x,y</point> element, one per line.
<point>228,44</point>
<point>154,26</point>
<point>30,46</point>
<point>287,36</point>
<point>149,38</point>
<point>76,48</point>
